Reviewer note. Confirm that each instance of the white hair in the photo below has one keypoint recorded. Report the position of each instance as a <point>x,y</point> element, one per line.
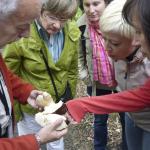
<point>112,20</point>
<point>7,7</point>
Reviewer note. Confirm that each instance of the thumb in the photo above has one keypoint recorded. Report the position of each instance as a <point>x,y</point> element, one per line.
<point>57,123</point>
<point>32,103</point>
<point>60,133</point>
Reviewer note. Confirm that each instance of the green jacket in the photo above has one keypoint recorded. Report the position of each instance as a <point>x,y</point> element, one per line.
<point>78,14</point>
<point>24,58</point>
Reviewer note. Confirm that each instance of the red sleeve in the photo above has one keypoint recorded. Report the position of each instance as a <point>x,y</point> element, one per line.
<point>126,101</point>
<point>26,142</point>
<point>17,88</point>
<point>20,89</point>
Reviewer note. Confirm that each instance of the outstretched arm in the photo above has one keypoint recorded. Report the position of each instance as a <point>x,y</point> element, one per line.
<point>126,101</point>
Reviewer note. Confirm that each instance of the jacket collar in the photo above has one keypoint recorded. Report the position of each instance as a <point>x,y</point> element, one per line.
<point>72,30</point>
<point>36,43</point>
<point>131,56</point>
<point>136,56</point>
<point>82,21</point>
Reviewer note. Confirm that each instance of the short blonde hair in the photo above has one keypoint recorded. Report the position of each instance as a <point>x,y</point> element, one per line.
<point>64,8</point>
<point>112,21</point>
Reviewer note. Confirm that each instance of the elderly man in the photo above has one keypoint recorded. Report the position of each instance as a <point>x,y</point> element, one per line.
<point>15,17</point>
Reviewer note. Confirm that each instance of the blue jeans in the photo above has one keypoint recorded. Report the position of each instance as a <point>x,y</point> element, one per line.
<point>122,121</point>
<point>100,125</point>
<point>100,131</point>
<point>137,138</point>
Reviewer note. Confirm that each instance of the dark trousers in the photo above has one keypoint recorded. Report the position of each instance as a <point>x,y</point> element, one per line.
<point>100,125</point>
<point>137,138</point>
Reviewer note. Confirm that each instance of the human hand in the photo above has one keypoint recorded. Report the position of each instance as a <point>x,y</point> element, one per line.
<point>69,118</point>
<point>32,99</point>
<point>49,132</point>
<point>64,111</point>
<point>45,99</point>
<point>44,119</point>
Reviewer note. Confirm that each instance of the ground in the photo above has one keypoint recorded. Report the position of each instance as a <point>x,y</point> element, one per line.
<point>80,137</point>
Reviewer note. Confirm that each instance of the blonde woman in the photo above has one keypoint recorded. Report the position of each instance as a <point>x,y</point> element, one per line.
<point>52,45</point>
<point>129,50</point>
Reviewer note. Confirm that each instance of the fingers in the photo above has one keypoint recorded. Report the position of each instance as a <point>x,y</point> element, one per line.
<point>58,133</point>
<point>57,123</point>
<point>32,103</point>
<point>49,132</point>
<point>70,119</point>
<point>62,133</point>
<point>32,99</point>
<point>35,93</point>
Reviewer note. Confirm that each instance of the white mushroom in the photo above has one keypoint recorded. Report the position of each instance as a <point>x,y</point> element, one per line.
<point>44,100</point>
<point>52,107</point>
<point>46,117</point>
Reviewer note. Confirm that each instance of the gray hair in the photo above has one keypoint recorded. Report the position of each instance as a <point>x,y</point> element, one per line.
<point>65,8</point>
<point>112,20</point>
<point>7,7</point>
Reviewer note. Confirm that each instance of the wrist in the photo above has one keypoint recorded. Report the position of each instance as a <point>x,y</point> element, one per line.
<point>38,139</point>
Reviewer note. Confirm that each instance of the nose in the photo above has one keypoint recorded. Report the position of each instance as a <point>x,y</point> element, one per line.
<point>57,24</point>
<point>91,9</point>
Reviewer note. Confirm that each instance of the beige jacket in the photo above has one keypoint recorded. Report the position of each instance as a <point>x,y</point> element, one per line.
<point>130,75</point>
<point>86,70</point>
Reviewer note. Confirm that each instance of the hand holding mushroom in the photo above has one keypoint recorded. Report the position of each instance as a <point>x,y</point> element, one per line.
<point>47,116</point>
